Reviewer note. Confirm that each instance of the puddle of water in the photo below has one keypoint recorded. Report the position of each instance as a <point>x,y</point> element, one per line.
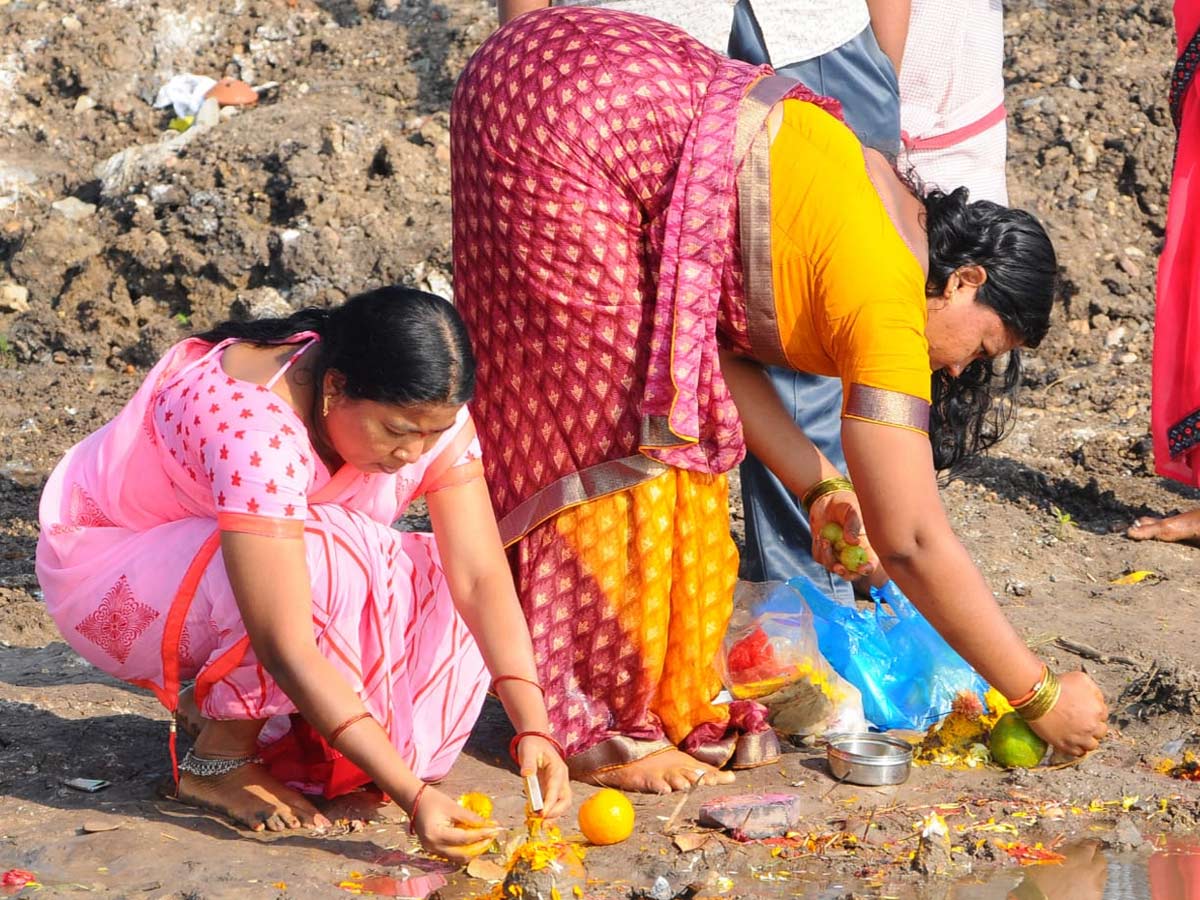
<point>1091,873</point>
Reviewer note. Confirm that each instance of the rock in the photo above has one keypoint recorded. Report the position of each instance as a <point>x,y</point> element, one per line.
<point>933,855</point>
<point>209,114</point>
<point>13,298</point>
<point>1129,267</point>
<point>1126,359</point>
<point>73,208</point>
<point>71,23</point>
<point>260,303</point>
<point>131,166</point>
<point>437,283</point>
<point>1125,836</point>
<point>1115,336</point>
<point>167,195</point>
<point>752,816</point>
<point>83,104</point>
<point>566,878</point>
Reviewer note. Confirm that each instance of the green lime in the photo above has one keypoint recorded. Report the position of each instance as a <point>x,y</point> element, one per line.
<point>832,532</point>
<point>853,557</point>
<point>1014,744</point>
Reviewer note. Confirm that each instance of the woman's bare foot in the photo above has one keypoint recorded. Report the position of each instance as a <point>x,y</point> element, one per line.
<point>249,794</point>
<point>660,773</point>
<point>1183,528</point>
<point>251,797</point>
<point>188,718</point>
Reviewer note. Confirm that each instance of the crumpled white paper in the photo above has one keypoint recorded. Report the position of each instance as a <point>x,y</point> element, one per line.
<point>185,93</point>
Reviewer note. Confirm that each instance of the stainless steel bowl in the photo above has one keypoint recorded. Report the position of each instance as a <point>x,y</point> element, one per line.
<point>869,759</point>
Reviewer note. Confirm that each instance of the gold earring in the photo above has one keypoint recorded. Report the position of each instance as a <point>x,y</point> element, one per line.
<point>325,405</point>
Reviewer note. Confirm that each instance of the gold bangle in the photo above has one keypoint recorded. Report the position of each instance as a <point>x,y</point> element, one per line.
<point>823,487</point>
<point>1043,699</point>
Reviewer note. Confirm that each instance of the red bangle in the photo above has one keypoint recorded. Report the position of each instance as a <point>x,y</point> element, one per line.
<point>1025,698</point>
<point>412,813</point>
<point>502,678</point>
<point>337,732</point>
<point>516,742</point>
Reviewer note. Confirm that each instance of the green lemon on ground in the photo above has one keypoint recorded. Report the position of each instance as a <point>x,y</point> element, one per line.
<point>1014,744</point>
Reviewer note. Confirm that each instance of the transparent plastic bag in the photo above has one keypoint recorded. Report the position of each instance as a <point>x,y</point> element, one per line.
<point>906,672</point>
<point>771,655</point>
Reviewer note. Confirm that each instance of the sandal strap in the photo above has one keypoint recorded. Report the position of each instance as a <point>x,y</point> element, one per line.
<point>204,767</point>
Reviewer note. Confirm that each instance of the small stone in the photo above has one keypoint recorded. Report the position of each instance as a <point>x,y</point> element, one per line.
<point>1017,588</point>
<point>1126,359</point>
<point>73,208</point>
<point>209,114</point>
<point>1115,336</point>
<point>567,878</point>
<point>14,297</point>
<point>70,23</point>
<point>167,195</point>
<point>752,816</point>
<point>1073,83</point>
<point>933,856</point>
<point>83,104</point>
<point>1135,252</point>
<point>1129,267</point>
<point>1075,326</point>
<point>661,889</point>
<point>260,303</point>
<point>1090,195</point>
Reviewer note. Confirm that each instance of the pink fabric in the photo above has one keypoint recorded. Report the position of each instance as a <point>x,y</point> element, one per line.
<point>1175,394</point>
<point>595,241</point>
<point>134,506</point>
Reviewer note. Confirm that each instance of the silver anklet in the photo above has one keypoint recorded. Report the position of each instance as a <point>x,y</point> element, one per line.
<point>202,767</point>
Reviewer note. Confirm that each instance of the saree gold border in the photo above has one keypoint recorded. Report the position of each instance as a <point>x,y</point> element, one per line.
<point>579,487</point>
<point>612,753</point>
<point>887,407</point>
<point>754,216</point>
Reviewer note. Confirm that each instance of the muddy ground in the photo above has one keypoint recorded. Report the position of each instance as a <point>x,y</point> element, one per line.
<point>337,182</point>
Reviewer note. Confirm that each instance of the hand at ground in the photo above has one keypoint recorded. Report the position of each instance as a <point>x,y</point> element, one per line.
<point>538,755</point>
<point>840,508</point>
<point>446,829</point>
<point>1078,722</point>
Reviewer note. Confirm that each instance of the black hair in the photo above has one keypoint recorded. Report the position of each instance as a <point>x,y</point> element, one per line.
<point>394,345</point>
<point>972,412</point>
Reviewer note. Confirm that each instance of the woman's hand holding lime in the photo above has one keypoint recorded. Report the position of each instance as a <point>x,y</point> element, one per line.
<point>448,830</point>
<point>839,542</point>
<point>1079,720</point>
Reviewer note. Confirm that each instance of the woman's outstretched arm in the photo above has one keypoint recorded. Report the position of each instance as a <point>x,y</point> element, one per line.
<point>508,10</point>
<point>894,477</point>
<point>481,584</point>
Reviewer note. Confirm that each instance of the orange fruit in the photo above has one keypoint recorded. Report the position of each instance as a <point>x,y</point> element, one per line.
<point>606,817</point>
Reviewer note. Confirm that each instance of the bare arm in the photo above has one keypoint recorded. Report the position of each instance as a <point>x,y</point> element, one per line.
<point>889,21</point>
<point>770,433</point>
<point>894,476</point>
<point>482,587</point>
<point>895,480</point>
<point>270,580</point>
<point>508,10</point>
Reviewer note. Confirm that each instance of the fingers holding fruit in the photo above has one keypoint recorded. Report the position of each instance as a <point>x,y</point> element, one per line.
<point>839,542</point>
<point>1077,723</point>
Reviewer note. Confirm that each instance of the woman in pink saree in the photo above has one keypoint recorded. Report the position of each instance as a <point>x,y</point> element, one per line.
<point>1175,400</point>
<point>231,527</point>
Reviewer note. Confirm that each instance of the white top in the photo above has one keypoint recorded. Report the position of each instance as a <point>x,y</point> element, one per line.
<point>951,77</point>
<point>803,29</point>
<point>709,21</point>
<point>794,31</point>
<point>952,71</point>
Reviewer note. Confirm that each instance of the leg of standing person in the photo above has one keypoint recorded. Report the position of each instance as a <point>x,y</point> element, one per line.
<point>778,537</point>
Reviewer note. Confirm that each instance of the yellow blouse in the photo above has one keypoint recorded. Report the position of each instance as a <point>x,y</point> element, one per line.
<point>849,294</point>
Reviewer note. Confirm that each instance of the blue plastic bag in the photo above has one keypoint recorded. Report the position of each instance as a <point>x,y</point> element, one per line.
<point>908,675</point>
